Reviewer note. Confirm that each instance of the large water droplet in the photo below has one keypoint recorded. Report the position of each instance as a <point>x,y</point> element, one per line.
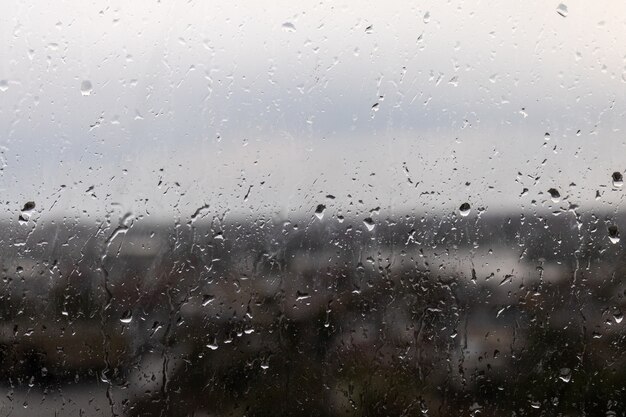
<point>614,234</point>
<point>86,88</point>
<point>319,211</point>
<point>26,212</point>
<point>464,210</point>
<point>565,374</point>
<point>618,179</point>
<point>618,316</point>
<point>426,17</point>
<point>369,223</point>
<point>207,299</point>
<point>562,10</point>
<point>127,317</point>
<point>555,195</point>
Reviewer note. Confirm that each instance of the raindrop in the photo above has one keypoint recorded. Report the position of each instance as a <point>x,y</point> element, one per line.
<point>464,210</point>
<point>86,87</point>
<point>426,17</point>
<point>565,374</point>
<point>26,212</point>
<point>103,376</point>
<point>289,27</point>
<point>4,85</point>
<point>369,223</point>
<point>127,317</point>
<point>613,234</point>
<point>554,195</point>
<point>207,299</point>
<point>618,316</point>
<point>319,211</point>
<point>618,179</point>
<point>369,29</point>
<point>302,296</point>
<point>562,10</point>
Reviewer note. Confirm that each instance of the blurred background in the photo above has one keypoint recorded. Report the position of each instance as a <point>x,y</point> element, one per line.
<point>312,208</point>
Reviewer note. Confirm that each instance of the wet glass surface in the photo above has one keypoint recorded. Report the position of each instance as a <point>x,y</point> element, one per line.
<point>312,208</point>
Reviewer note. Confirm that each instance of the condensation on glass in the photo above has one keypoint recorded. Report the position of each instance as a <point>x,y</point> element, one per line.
<point>312,208</point>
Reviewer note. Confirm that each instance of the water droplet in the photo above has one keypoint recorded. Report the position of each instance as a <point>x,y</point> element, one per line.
<point>127,317</point>
<point>554,195</point>
<point>369,29</point>
<point>86,88</point>
<point>302,296</point>
<point>103,376</point>
<point>562,10</point>
<point>614,234</point>
<point>289,27</point>
<point>369,223</point>
<point>319,211</point>
<point>212,345</point>
<point>207,299</point>
<point>464,210</point>
<point>426,17</point>
<point>26,212</point>
<point>618,316</point>
<point>618,179</point>
<point>565,374</point>
<point>4,85</point>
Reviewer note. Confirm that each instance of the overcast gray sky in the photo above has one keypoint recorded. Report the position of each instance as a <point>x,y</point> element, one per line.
<point>274,101</point>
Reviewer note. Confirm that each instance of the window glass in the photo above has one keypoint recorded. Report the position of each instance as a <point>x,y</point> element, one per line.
<point>278,208</point>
